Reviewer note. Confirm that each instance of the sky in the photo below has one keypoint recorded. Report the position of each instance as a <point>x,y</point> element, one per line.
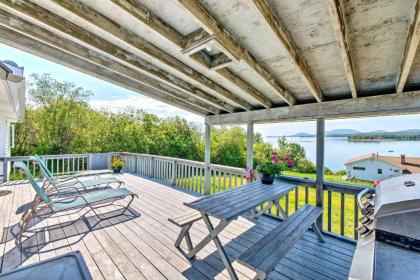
<point>114,98</point>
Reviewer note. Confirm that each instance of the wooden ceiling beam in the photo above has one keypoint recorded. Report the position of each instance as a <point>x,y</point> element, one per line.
<point>40,14</point>
<point>212,26</point>
<point>35,47</point>
<point>82,10</point>
<point>17,24</point>
<point>143,14</point>
<point>288,48</point>
<point>410,49</point>
<point>146,17</point>
<point>378,105</point>
<point>339,24</point>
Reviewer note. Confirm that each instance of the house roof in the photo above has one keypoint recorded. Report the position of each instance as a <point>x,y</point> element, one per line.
<point>412,164</point>
<point>220,58</point>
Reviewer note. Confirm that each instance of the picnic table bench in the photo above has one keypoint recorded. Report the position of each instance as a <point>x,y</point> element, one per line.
<point>229,205</point>
<point>263,256</point>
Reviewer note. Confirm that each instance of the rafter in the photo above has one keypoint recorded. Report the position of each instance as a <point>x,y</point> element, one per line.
<point>146,17</point>
<point>212,26</point>
<point>27,44</point>
<point>410,49</point>
<point>82,10</point>
<point>288,48</point>
<point>339,24</point>
<point>40,14</point>
<point>34,31</point>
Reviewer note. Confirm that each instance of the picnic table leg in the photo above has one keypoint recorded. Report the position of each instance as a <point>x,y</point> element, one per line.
<point>257,213</point>
<point>206,240</point>
<point>220,249</point>
<point>181,235</point>
<point>280,209</point>
<point>318,233</point>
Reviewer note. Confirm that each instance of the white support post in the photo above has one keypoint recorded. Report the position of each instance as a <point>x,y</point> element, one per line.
<point>320,150</point>
<point>250,146</point>
<point>207,161</point>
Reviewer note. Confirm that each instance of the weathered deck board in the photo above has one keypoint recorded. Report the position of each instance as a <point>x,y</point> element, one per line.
<point>140,245</point>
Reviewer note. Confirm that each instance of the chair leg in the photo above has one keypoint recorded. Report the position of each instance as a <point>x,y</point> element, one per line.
<point>123,212</point>
<point>26,218</point>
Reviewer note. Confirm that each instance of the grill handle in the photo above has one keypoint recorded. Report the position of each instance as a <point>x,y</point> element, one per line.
<point>359,200</point>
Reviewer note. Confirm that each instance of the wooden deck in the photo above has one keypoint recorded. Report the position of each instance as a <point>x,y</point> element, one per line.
<point>139,245</point>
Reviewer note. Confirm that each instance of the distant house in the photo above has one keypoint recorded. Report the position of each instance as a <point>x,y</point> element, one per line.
<point>12,104</point>
<point>371,167</point>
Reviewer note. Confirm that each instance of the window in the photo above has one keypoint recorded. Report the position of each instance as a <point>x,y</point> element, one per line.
<point>379,170</point>
<point>358,168</point>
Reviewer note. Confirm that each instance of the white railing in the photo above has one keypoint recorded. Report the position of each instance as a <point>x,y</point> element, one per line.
<point>183,173</point>
<point>57,164</point>
<point>340,210</point>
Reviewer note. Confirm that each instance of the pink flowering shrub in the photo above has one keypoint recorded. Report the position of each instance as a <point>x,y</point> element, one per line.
<point>270,164</point>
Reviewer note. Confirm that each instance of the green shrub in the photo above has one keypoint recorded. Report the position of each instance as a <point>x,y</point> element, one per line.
<point>341,172</point>
<point>305,166</point>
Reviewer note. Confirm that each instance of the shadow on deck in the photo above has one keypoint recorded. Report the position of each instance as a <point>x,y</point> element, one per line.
<point>139,244</point>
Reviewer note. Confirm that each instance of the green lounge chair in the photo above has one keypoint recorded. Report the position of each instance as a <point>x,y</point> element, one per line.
<point>93,200</point>
<point>70,183</point>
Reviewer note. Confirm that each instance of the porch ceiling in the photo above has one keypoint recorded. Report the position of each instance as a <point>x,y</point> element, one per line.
<point>247,57</point>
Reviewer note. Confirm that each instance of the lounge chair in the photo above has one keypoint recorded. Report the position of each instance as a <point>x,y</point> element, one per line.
<point>52,184</point>
<point>93,200</point>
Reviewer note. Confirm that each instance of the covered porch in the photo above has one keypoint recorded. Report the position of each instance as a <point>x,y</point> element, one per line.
<point>236,63</point>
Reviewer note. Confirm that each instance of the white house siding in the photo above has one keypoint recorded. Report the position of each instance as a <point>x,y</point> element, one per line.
<point>371,170</point>
<point>4,140</point>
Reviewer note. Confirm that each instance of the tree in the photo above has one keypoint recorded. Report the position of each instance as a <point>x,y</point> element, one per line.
<point>60,120</point>
<point>293,151</point>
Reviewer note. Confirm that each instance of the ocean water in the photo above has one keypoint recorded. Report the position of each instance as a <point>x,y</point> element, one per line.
<point>338,150</point>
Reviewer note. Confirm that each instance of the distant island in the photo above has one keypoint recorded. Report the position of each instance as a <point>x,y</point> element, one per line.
<point>376,135</point>
<point>330,133</point>
<point>411,134</point>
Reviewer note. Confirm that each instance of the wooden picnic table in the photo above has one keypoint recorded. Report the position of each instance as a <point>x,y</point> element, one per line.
<point>229,205</point>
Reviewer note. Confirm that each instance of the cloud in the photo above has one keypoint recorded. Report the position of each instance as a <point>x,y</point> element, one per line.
<point>135,101</point>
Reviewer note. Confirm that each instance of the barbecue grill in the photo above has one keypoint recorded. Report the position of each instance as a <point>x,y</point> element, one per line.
<point>389,234</point>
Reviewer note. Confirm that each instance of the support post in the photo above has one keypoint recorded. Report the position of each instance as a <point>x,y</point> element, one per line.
<point>250,146</point>
<point>320,147</point>
<point>207,161</point>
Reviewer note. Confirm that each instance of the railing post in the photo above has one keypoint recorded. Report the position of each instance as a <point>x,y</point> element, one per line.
<point>152,165</point>
<point>90,162</point>
<point>5,170</point>
<point>320,151</point>
<point>207,161</point>
<point>135,164</point>
<point>174,173</point>
<point>108,164</point>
